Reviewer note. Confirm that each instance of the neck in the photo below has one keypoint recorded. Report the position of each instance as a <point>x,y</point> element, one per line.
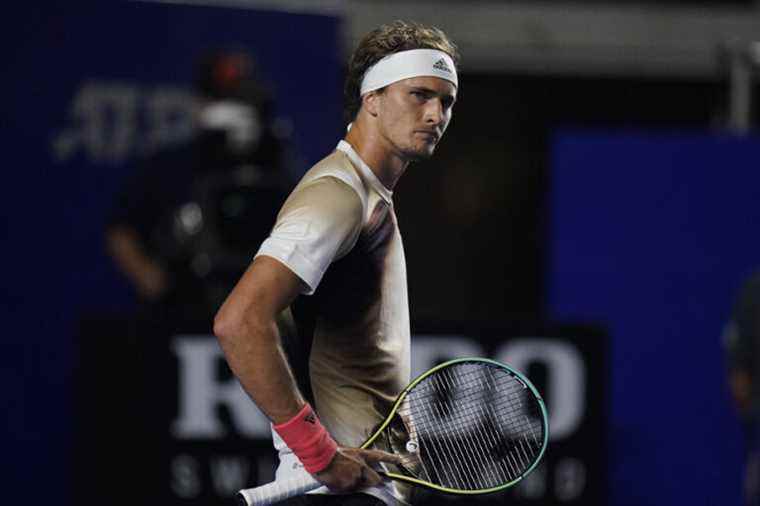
<point>386,163</point>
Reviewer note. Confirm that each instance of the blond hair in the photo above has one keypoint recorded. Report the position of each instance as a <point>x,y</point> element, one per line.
<point>388,39</point>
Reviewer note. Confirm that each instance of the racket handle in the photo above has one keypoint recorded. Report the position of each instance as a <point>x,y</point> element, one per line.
<point>277,491</point>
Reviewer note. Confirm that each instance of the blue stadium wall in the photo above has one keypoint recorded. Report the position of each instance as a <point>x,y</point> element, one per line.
<point>652,234</point>
<point>82,83</point>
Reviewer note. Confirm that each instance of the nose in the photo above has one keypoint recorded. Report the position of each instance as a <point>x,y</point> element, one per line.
<point>434,112</point>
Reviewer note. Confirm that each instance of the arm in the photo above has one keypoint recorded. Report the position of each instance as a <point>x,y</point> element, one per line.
<point>247,331</point>
<point>740,339</point>
<point>738,361</point>
<point>741,389</point>
<point>147,276</point>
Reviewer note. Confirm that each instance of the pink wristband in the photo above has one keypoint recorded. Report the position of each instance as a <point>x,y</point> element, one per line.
<point>308,439</point>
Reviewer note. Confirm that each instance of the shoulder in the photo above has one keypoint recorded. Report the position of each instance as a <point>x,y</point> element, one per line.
<point>333,184</point>
<point>337,166</point>
<point>328,191</point>
<point>164,171</point>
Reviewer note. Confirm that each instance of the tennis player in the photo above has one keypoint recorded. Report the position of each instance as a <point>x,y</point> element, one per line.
<point>335,260</point>
<point>741,337</point>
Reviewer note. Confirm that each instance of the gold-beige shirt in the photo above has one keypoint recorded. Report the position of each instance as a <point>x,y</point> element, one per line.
<point>338,232</point>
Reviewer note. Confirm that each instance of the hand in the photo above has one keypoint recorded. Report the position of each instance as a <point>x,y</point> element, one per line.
<point>152,282</point>
<point>741,389</point>
<point>351,469</point>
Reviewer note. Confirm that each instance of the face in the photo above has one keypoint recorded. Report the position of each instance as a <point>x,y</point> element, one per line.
<point>413,115</point>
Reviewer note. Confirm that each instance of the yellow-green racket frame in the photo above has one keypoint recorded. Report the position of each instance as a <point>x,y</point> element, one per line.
<point>423,483</point>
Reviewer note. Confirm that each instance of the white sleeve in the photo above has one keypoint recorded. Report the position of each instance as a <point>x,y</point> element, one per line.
<point>319,223</point>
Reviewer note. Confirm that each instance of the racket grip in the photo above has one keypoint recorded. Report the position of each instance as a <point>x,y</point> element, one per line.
<point>277,491</point>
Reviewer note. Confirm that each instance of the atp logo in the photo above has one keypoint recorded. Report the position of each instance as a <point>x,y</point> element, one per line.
<point>110,122</point>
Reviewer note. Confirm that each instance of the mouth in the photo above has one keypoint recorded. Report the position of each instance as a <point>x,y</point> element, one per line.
<point>431,135</point>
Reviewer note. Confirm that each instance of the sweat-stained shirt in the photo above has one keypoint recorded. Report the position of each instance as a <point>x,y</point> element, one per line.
<point>337,231</point>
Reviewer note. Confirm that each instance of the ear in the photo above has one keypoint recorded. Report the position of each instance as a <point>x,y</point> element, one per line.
<point>371,103</point>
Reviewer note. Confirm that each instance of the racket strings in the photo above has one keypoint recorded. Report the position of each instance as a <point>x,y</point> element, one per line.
<point>474,427</point>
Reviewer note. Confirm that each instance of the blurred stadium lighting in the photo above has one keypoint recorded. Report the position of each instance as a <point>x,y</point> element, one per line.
<point>743,60</point>
<point>615,38</point>
<point>576,38</point>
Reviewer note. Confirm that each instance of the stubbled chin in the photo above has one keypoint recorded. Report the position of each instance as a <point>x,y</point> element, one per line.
<point>421,153</point>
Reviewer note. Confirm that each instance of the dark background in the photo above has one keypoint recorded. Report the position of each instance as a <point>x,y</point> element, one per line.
<point>486,217</point>
<point>618,202</point>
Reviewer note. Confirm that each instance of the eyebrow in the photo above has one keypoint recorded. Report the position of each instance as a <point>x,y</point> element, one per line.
<point>430,91</point>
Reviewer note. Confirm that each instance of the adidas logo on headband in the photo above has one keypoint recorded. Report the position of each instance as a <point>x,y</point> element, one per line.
<point>441,65</point>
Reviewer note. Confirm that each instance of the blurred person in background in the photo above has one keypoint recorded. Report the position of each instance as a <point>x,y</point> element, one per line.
<point>336,259</point>
<point>742,337</point>
<point>185,223</point>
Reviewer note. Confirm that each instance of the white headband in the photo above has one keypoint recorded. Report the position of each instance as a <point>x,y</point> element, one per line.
<point>407,64</point>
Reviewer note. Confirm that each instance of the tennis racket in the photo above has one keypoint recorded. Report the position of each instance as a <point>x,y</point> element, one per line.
<point>467,426</point>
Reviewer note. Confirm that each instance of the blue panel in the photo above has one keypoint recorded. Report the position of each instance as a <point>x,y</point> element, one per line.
<point>53,209</point>
<point>652,235</point>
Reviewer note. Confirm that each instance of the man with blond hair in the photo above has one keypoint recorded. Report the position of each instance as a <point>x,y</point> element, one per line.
<point>335,260</point>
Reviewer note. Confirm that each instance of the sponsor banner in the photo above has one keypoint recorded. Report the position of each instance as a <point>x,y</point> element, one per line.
<point>188,434</point>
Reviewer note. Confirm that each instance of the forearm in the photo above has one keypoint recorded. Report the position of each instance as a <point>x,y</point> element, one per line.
<point>255,356</point>
<point>248,333</point>
<point>145,274</point>
<point>740,382</point>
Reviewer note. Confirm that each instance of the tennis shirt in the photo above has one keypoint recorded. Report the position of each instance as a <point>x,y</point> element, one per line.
<point>337,231</point>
